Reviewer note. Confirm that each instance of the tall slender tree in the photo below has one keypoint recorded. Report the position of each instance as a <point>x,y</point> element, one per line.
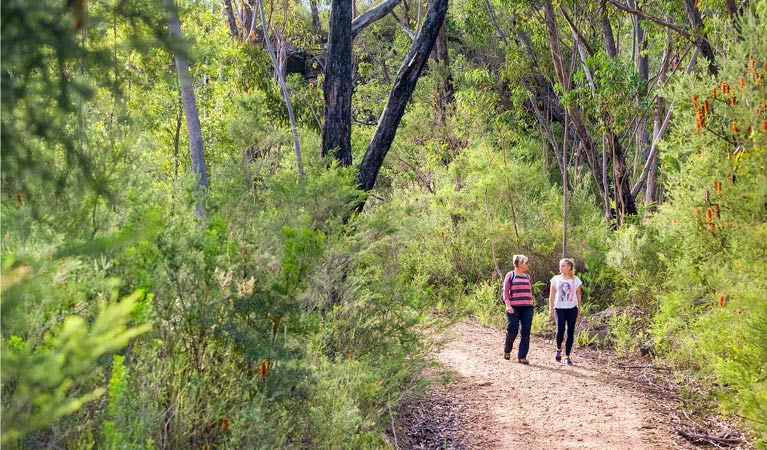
<point>189,102</point>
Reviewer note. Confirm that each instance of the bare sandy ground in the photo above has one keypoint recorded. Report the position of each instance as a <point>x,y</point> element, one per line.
<point>547,405</point>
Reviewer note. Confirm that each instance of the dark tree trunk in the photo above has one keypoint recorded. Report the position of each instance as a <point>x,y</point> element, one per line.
<point>337,123</point>
<point>315,17</point>
<point>607,30</point>
<point>189,103</point>
<point>445,91</point>
<point>701,42</point>
<point>624,201</point>
<point>404,83</point>
<point>233,31</point>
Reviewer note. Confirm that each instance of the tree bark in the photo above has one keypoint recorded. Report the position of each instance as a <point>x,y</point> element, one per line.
<point>445,90</point>
<point>337,122</point>
<point>701,41</point>
<point>607,30</point>
<point>233,31</point>
<point>196,149</point>
<point>315,17</point>
<point>404,83</point>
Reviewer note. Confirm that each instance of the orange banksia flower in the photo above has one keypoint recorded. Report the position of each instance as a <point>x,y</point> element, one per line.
<point>695,101</point>
<point>718,186</point>
<point>742,83</point>
<point>706,109</point>
<point>764,124</point>
<point>716,211</point>
<point>733,100</point>
<point>263,369</point>
<point>709,214</point>
<point>734,127</point>
<point>713,92</point>
<point>722,299</point>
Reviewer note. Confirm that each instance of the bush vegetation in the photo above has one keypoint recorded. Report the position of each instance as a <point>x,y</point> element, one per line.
<point>286,317</point>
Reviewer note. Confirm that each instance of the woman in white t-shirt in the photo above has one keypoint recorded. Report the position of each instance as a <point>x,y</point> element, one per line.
<point>565,306</point>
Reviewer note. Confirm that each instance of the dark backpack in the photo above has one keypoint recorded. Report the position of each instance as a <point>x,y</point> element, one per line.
<point>511,280</point>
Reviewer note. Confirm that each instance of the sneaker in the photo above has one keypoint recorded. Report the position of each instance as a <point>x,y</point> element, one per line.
<point>507,356</point>
<point>568,361</point>
<point>558,356</point>
<point>523,361</point>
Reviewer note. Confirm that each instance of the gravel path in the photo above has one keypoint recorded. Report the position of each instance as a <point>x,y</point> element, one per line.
<point>545,405</point>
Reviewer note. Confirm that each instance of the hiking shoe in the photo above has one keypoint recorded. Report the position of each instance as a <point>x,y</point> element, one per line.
<point>507,356</point>
<point>568,361</point>
<point>558,356</point>
<point>523,361</point>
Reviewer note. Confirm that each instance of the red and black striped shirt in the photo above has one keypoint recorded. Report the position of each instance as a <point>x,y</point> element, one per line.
<point>519,292</point>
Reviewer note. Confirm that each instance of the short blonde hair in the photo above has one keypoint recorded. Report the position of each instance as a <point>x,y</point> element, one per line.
<point>519,259</point>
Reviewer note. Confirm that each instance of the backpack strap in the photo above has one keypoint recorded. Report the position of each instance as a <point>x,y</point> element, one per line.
<point>511,281</point>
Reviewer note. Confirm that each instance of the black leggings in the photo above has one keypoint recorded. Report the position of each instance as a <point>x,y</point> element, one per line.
<point>566,316</point>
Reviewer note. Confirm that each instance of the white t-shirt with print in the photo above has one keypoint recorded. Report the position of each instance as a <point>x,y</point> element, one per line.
<point>564,292</point>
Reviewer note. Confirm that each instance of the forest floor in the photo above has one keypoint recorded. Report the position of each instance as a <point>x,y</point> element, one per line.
<point>478,400</point>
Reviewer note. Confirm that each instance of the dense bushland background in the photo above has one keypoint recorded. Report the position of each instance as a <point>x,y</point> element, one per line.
<point>285,316</point>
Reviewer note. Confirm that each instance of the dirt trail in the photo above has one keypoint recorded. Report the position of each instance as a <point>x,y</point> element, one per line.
<point>546,405</point>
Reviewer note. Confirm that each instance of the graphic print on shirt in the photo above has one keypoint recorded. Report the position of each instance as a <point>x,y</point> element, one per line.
<point>567,291</point>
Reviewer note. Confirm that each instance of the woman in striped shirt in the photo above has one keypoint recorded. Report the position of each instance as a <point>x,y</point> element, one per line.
<point>518,296</point>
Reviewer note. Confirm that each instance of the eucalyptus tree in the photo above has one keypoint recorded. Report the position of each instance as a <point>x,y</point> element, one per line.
<point>189,102</point>
<point>337,90</point>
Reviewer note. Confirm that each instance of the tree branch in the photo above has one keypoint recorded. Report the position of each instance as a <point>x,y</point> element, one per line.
<point>653,148</point>
<point>372,15</point>
<point>644,15</point>
<point>410,33</point>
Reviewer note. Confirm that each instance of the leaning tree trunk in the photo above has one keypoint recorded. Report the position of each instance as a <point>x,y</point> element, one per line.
<point>233,31</point>
<point>337,123</point>
<point>403,87</point>
<point>196,149</point>
<point>701,41</point>
<point>281,79</point>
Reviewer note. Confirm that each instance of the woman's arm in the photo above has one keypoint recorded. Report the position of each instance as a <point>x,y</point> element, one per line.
<point>552,292</point>
<point>507,294</point>
<point>578,294</point>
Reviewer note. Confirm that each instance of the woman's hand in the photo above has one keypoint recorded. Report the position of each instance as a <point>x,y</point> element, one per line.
<point>509,309</point>
<point>551,315</point>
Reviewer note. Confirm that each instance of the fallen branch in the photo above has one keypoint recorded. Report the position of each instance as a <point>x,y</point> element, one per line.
<point>708,438</point>
<point>644,367</point>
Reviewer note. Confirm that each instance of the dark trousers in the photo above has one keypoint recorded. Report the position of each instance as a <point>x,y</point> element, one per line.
<point>523,315</point>
<point>566,317</point>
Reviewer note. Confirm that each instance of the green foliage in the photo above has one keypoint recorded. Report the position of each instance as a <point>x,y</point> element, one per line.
<point>623,334</point>
<point>47,380</point>
<point>701,255</point>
